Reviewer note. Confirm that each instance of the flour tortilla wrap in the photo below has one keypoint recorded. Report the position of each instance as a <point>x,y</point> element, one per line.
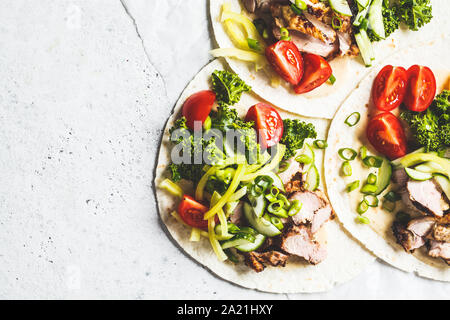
<point>378,237</point>
<point>346,257</point>
<point>349,71</point>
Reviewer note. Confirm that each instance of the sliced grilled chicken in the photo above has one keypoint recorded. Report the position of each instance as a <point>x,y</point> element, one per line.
<point>299,241</point>
<point>258,261</point>
<point>412,235</point>
<point>440,249</point>
<point>427,197</point>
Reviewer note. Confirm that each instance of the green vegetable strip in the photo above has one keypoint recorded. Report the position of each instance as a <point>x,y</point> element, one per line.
<point>413,159</point>
<point>348,154</point>
<point>222,218</point>
<point>353,186</point>
<point>214,242</point>
<point>305,159</point>
<point>231,190</point>
<point>172,188</point>
<point>320,144</point>
<point>199,191</point>
<point>363,152</point>
<point>269,167</point>
<point>373,162</point>
<point>363,220</point>
<point>347,169</point>
<point>353,119</point>
<point>295,208</point>
<point>362,207</point>
<point>371,201</point>
<point>372,179</point>
<point>277,223</point>
<point>369,189</point>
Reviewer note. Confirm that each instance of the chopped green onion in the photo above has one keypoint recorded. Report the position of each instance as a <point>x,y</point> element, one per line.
<point>389,205</point>
<point>371,200</point>
<point>172,188</point>
<point>353,186</point>
<point>300,4</point>
<point>304,159</point>
<point>254,44</point>
<point>337,26</point>
<point>265,34</point>
<point>347,169</point>
<point>285,34</point>
<point>363,220</point>
<point>207,124</point>
<point>364,24</point>
<point>320,144</point>
<point>392,196</point>
<point>296,9</point>
<point>275,207</point>
<point>363,152</point>
<point>369,189</point>
<point>348,154</point>
<point>285,200</point>
<point>373,162</point>
<point>353,119</point>
<point>332,79</point>
<point>277,222</point>
<point>295,208</point>
<point>362,207</point>
<point>372,179</point>
<point>284,165</point>
<point>272,195</point>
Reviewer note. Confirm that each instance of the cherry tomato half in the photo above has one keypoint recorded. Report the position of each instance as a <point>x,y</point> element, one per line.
<point>421,88</point>
<point>192,213</point>
<point>317,72</point>
<point>389,88</point>
<point>198,107</point>
<point>387,136</point>
<point>268,123</point>
<point>286,60</point>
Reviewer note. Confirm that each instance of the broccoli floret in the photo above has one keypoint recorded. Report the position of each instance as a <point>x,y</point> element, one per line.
<point>431,128</point>
<point>414,13</point>
<point>294,135</point>
<point>391,21</point>
<point>228,87</point>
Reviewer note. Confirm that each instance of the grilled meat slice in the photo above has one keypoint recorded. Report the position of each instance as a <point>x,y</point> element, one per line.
<point>441,230</point>
<point>296,184</point>
<point>299,241</point>
<point>347,46</point>
<point>315,209</point>
<point>253,6</point>
<point>412,235</point>
<point>285,17</point>
<point>438,249</point>
<point>258,261</point>
<point>293,168</point>
<point>400,177</point>
<point>427,197</point>
<point>237,217</point>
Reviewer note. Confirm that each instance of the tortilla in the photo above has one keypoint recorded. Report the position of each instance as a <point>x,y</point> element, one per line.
<point>349,71</point>
<point>297,276</point>
<point>378,237</point>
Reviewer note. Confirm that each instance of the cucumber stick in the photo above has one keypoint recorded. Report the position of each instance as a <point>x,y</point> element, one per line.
<point>365,46</point>
<point>341,6</point>
<point>376,18</point>
<point>418,175</point>
<point>363,3</point>
<point>252,246</point>
<point>312,179</point>
<point>260,224</point>
<point>444,183</point>
<point>361,15</point>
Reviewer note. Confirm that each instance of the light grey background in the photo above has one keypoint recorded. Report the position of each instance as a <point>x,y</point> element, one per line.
<point>85,90</point>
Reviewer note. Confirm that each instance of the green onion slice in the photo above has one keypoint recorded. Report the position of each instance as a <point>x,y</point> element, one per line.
<point>295,208</point>
<point>363,220</point>
<point>254,44</point>
<point>353,119</point>
<point>300,4</point>
<point>320,144</point>
<point>275,206</point>
<point>347,169</point>
<point>363,152</point>
<point>392,196</point>
<point>277,222</point>
<point>389,205</point>
<point>353,186</point>
<point>371,200</point>
<point>285,200</point>
<point>332,79</point>
<point>284,165</point>
<point>336,23</point>
<point>362,207</point>
<point>348,154</point>
<point>372,179</point>
<point>369,189</point>
<point>304,159</point>
<point>373,162</point>
<point>296,9</point>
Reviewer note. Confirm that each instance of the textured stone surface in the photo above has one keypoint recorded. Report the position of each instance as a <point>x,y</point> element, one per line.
<point>85,91</point>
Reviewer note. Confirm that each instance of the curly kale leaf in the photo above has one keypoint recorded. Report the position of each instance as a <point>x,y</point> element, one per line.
<point>391,21</point>
<point>415,13</point>
<point>228,87</point>
<point>295,134</point>
<point>431,128</point>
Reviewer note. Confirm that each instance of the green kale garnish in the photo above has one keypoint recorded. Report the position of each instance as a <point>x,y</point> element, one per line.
<point>414,13</point>
<point>391,21</point>
<point>431,128</point>
<point>295,134</point>
<point>228,87</point>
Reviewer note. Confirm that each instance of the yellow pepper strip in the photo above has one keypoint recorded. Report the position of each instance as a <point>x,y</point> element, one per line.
<point>214,242</point>
<point>231,190</point>
<point>238,195</point>
<point>244,55</point>
<point>416,158</point>
<point>172,188</point>
<point>195,235</point>
<point>248,25</point>
<point>264,158</point>
<point>269,167</point>
<point>199,191</point>
<point>222,218</point>
<point>236,35</point>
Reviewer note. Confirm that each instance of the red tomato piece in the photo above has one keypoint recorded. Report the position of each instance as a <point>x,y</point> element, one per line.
<point>193,212</point>
<point>286,60</point>
<point>387,136</point>
<point>389,88</point>
<point>317,72</point>
<point>268,123</point>
<point>421,88</point>
<point>198,107</point>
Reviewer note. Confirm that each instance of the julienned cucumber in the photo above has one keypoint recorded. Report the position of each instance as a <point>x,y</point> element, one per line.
<point>312,179</point>
<point>258,205</point>
<point>418,175</point>
<point>430,167</point>
<point>365,46</point>
<point>277,182</point>
<point>384,177</point>
<point>444,183</point>
<point>219,236</point>
<point>376,18</point>
<point>260,224</point>
<point>361,16</point>
<point>341,6</point>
